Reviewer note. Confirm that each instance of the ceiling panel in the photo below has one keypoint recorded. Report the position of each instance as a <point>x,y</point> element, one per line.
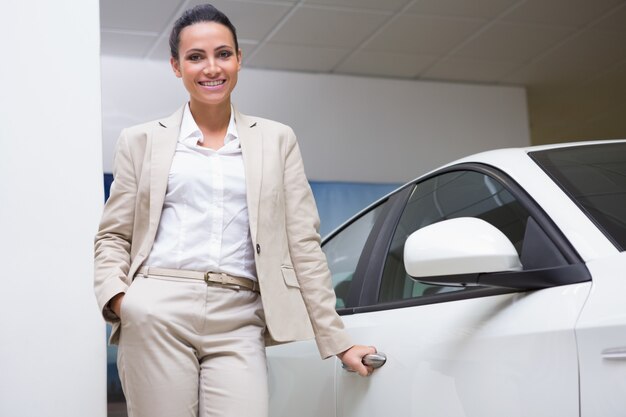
<point>486,9</point>
<point>581,58</point>
<point>468,70</point>
<point>299,58</point>
<point>328,27</point>
<point>391,5</point>
<point>253,20</point>
<point>513,42</point>
<point>540,74</point>
<point>125,44</point>
<point>380,63</point>
<point>279,2</point>
<point>139,15</point>
<point>247,47</point>
<point>561,12</point>
<point>423,35</point>
<point>613,77</point>
<point>613,22</point>
<point>161,51</point>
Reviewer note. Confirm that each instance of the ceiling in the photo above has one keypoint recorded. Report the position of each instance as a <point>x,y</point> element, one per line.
<point>520,42</point>
<point>544,45</point>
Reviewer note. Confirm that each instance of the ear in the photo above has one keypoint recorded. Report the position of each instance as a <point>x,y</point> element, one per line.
<point>175,66</point>
<point>239,55</point>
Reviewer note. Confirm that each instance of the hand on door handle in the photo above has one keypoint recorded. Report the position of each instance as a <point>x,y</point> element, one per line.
<point>375,360</point>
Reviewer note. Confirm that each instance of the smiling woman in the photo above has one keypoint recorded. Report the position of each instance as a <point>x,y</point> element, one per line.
<point>208,248</point>
<point>208,62</point>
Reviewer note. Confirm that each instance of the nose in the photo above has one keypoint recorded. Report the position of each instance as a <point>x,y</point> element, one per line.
<point>211,68</point>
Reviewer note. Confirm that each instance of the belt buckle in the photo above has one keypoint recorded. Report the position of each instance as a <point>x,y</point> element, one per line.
<point>219,278</point>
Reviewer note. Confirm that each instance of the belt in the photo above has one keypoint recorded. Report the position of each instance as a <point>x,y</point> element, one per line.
<point>208,277</point>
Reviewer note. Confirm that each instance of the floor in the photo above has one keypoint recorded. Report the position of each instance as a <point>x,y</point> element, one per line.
<point>117,410</point>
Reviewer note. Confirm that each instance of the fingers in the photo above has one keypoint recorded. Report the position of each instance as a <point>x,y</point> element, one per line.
<point>360,369</point>
<point>353,358</point>
<point>365,371</point>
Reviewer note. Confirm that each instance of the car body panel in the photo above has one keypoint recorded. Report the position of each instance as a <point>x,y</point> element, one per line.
<point>484,357</point>
<point>601,335</point>
<point>300,383</point>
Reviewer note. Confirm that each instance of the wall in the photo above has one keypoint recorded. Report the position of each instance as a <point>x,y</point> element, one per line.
<point>350,128</point>
<point>52,350</point>
<point>587,111</point>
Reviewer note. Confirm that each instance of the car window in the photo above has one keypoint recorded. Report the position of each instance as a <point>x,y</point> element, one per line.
<point>343,251</point>
<point>447,196</point>
<point>594,176</point>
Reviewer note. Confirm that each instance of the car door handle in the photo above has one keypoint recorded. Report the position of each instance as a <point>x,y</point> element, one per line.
<point>375,360</point>
<point>614,353</point>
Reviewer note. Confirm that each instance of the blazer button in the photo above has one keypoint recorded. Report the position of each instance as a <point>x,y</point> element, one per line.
<point>258,249</point>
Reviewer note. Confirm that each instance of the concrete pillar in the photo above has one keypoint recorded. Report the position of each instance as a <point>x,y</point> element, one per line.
<point>52,339</point>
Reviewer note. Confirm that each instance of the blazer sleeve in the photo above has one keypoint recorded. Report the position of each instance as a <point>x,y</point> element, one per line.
<point>314,278</point>
<point>113,240</point>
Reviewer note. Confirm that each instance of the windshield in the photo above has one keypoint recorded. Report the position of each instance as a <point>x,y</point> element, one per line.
<point>594,176</point>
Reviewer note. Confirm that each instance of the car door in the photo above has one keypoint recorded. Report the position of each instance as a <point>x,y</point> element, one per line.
<point>466,351</point>
<point>300,383</point>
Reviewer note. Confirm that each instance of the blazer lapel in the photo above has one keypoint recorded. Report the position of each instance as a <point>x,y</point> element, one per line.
<point>251,141</point>
<point>164,140</point>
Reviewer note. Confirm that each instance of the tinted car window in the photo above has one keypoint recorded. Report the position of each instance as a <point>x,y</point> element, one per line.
<point>594,176</point>
<point>447,196</point>
<point>343,251</point>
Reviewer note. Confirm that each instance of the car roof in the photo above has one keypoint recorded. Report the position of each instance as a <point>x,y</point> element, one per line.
<point>494,157</point>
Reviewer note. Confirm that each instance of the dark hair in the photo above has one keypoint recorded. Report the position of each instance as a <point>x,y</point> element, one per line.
<point>198,14</point>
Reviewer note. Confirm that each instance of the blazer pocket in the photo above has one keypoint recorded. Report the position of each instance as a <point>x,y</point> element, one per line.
<point>289,276</point>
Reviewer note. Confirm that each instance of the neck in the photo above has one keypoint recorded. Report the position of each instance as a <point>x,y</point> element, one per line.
<point>211,118</point>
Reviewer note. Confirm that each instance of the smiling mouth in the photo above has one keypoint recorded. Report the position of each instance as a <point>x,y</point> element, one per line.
<point>212,83</point>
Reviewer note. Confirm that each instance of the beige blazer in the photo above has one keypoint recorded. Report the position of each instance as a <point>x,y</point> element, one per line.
<point>294,279</point>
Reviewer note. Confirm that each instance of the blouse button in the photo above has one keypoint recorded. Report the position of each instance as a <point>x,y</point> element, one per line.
<point>258,249</point>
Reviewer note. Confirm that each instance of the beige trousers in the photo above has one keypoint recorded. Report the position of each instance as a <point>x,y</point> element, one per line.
<point>192,349</point>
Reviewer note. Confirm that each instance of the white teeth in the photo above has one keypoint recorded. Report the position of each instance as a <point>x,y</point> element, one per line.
<point>212,83</point>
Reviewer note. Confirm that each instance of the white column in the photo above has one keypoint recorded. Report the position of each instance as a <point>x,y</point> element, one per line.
<point>52,339</point>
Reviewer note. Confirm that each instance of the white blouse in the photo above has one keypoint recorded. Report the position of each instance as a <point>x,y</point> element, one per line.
<point>204,224</point>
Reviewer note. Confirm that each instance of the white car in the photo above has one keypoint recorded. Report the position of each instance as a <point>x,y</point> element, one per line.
<point>514,303</point>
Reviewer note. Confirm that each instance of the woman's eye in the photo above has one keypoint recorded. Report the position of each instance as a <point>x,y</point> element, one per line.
<point>194,57</point>
<point>225,54</point>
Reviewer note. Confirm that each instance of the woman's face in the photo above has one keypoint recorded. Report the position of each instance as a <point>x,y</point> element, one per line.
<point>207,63</point>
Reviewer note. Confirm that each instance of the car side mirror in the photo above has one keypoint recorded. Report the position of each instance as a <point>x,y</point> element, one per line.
<point>465,245</point>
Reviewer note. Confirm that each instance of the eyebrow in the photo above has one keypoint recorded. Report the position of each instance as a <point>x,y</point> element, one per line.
<point>193,50</point>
